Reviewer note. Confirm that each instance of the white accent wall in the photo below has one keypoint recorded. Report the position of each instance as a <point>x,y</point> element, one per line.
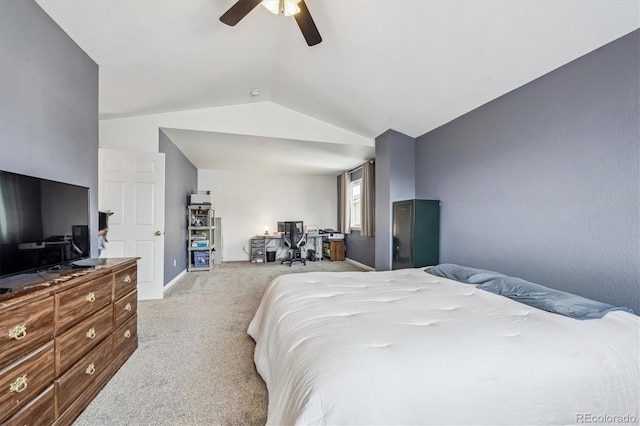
<point>247,202</point>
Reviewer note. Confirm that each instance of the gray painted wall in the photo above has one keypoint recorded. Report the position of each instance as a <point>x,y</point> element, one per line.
<point>543,183</point>
<point>181,180</point>
<point>361,249</point>
<point>395,180</point>
<point>358,248</point>
<point>48,102</point>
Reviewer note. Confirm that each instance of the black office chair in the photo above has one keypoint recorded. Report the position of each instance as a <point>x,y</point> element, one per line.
<point>294,240</point>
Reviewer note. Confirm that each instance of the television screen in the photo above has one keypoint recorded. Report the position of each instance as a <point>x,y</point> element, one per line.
<point>43,223</point>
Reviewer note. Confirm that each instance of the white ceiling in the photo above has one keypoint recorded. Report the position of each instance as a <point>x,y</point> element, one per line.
<point>224,151</point>
<point>408,65</point>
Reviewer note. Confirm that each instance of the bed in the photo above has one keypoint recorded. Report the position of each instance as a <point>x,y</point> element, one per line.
<point>408,347</point>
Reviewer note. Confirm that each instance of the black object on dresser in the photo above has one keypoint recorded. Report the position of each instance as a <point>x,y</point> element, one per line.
<point>416,233</point>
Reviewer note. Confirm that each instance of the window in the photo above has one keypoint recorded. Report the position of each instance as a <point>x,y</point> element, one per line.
<point>356,203</point>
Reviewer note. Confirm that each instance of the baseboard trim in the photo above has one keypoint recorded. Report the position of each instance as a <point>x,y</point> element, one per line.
<point>362,265</point>
<point>173,281</point>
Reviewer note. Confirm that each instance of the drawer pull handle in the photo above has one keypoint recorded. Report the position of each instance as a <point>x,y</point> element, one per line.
<point>127,278</point>
<point>90,369</point>
<point>91,333</point>
<point>127,333</point>
<point>127,307</point>
<point>91,297</point>
<point>19,385</point>
<point>18,332</point>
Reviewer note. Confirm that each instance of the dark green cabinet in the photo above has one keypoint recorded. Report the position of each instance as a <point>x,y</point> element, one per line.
<point>416,233</point>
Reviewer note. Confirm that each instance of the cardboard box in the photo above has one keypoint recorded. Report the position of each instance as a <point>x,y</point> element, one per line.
<point>202,197</point>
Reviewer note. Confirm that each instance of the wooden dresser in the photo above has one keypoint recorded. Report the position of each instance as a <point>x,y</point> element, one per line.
<point>63,335</point>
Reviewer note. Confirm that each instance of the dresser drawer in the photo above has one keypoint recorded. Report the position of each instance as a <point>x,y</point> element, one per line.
<point>39,412</point>
<point>80,301</point>
<point>71,384</point>
<point>125,308</point>
<point>23,380</point>
<point>125,335</point>
<point>77,341</point>
<point>125,281</point>
<point>24,327</point>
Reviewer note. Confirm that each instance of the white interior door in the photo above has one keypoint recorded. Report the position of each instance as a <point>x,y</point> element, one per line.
<point>131,185</point>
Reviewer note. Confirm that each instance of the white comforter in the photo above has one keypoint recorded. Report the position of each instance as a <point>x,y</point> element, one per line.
<point>405,347</point>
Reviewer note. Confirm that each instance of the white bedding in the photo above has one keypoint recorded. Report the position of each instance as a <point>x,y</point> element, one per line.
<point>406,347</point>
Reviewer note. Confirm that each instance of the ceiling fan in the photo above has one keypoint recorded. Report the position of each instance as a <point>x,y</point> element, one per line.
<point>296,8</point>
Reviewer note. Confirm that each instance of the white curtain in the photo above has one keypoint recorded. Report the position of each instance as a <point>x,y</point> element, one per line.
<point>368,216</point>
<point>345,202</point>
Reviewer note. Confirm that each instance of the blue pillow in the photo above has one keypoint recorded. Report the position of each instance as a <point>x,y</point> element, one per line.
<point>464,274</point>
<point>548,299</point>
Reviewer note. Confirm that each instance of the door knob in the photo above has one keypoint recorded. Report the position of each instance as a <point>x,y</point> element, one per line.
<point>158,233</point>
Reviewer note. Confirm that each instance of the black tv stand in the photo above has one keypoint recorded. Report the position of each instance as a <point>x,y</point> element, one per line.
<point>66,267</point>
<point>88,263</point>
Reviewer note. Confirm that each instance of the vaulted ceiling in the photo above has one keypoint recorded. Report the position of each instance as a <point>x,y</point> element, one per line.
<point>408,65</point>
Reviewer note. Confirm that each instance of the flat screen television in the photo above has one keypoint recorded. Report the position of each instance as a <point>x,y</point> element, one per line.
<point>43,224</point>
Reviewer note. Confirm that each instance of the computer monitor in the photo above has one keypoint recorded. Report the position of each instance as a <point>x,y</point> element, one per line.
<point>280,226</point>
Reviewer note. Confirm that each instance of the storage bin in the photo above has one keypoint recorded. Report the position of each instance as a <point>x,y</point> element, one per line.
<point>201,259</point>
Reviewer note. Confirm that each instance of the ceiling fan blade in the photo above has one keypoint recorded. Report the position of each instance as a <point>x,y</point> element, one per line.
<point>238,11</point>
<point>307,26</point>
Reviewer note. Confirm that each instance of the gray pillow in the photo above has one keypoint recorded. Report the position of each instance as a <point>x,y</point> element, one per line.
<point>464,274</point>
<point>548,299</point>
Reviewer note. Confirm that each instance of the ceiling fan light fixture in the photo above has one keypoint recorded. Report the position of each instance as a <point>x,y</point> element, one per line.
<point>286,7</point>
<point>298,8</point>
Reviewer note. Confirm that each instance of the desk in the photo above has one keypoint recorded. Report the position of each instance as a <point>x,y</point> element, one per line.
<point>274,241</point>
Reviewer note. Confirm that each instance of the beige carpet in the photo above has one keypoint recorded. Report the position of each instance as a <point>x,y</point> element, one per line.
<point>194,364</point>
